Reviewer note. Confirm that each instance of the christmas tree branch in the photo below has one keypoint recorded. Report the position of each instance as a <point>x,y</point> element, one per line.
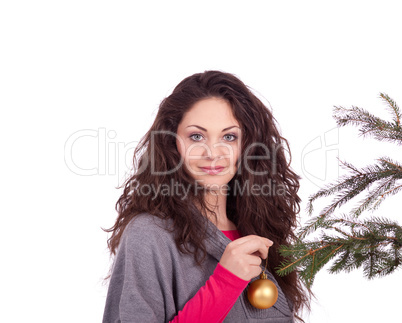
<point>371,125</point>
<point>391,191</point>
<point>374,244</point>
<point>386,172</point>
<point>393,107</point>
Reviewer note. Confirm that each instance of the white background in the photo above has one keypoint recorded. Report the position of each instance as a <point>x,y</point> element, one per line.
<point>89,76</point>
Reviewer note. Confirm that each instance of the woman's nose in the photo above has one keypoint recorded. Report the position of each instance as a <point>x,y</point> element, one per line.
<point>216,150</point>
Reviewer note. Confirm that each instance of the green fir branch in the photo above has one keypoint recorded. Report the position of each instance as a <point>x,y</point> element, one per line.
<point>375,196</point>
<point>369,124</point>
<point>393,107</point>
<point>375,245</point>
<point>385,174</point>
<point>372,244</point>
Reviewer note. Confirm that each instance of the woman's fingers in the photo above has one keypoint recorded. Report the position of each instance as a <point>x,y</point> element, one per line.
<point>252,237</point>
<point>243,256</point>
<point>254,260</point>
<point>254,244</point>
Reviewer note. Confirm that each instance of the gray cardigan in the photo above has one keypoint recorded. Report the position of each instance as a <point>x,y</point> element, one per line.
<point>152,280</point>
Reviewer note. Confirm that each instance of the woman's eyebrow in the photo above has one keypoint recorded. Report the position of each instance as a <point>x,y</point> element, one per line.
<point>193,125</point>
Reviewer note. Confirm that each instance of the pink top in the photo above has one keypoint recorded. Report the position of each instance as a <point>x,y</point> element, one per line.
<point>214,300</point>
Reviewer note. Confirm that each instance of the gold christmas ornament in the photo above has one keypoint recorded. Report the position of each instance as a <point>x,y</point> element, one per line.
<point>262,293</point>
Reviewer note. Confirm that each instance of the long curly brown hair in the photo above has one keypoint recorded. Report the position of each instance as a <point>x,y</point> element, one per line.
<point>156,160</point>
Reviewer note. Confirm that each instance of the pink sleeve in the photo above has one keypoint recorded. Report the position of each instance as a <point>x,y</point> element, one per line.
<point>214,300</point>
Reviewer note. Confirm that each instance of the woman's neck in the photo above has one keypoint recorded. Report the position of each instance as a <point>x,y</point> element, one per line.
<point>217,202</point>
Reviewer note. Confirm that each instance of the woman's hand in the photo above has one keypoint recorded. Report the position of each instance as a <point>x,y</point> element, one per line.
<point>242,257</point>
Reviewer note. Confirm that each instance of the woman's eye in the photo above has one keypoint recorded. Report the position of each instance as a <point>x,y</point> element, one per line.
<point>230,137</point>
<point>196,137</point>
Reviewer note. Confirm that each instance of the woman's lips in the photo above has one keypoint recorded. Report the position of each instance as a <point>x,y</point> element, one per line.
<point>212,170</point>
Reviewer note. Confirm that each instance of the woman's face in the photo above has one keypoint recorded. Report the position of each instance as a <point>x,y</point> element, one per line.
<point>208,139</point>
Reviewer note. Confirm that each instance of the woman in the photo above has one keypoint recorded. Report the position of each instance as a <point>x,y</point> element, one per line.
<point>211,196</point>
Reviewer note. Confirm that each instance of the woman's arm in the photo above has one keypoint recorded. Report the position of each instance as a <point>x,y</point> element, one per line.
<point>239,263</point>
<point>138,283</point>
<point>214,300</point>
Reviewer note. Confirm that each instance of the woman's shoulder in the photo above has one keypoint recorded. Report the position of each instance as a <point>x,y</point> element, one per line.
<point>146,236</point>
<point>146,225</point>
